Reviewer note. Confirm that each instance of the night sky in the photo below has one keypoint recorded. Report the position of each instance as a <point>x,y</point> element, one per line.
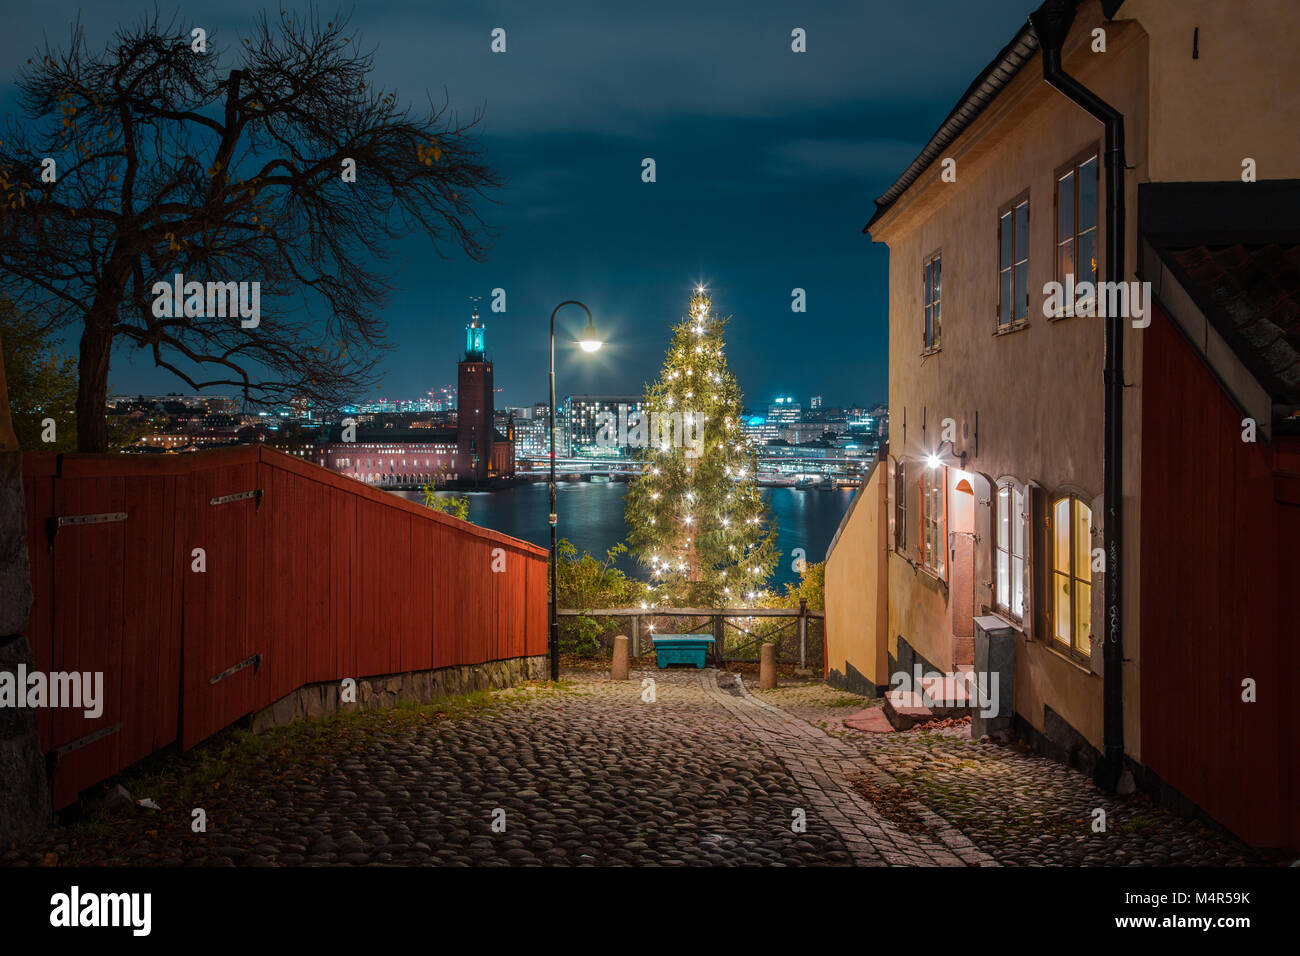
<point>768,162</point>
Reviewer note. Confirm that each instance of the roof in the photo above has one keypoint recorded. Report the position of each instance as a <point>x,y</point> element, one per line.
<point>1001,70</point>
<point>405,436</point>
<point>1251,294</point>
<point>1234,248</point>
<point>396,436</point>
<point>991,80</point>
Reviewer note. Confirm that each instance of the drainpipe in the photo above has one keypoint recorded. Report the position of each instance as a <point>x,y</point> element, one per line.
<point>1051,24</point>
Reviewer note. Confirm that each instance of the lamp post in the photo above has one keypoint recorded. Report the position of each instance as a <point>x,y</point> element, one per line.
<point>589,343</point>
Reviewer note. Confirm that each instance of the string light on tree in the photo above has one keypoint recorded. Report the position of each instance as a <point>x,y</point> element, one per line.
<point>698,501</point>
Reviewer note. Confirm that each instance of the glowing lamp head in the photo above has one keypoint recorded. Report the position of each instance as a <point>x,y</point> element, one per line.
<point>932,460</point>
<point>590,341</point>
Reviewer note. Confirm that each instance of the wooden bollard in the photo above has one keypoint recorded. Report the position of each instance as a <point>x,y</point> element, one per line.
<point>767,667</point>
<point>618,667</point>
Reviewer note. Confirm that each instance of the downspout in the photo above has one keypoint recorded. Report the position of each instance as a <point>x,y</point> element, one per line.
<point>1051,24</point>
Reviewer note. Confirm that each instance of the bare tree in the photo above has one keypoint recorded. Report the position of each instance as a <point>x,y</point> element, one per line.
<point>166,162</point>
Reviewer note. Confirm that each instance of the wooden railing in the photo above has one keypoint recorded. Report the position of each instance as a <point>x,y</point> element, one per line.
<point>795,643</point>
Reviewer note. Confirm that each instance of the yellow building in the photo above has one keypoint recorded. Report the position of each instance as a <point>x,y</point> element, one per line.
<point>992,498</point>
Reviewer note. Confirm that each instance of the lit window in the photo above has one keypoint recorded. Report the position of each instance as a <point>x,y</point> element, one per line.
<point>1076,223</point>
<point>933,523</point>
<point>1013,264</point>
<point>1009,570</point>
<point>1071,604</point>
<point>930,300</point>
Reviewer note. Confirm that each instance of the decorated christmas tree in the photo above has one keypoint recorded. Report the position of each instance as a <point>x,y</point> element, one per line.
<point>696,520</point>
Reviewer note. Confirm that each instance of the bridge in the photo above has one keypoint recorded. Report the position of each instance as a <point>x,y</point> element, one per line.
<point>778,471</point>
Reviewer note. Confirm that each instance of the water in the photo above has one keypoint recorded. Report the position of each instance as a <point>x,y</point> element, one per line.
<point>591,516</point>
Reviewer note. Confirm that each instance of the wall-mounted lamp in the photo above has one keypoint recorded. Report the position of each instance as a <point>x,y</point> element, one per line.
<point>936,458</point>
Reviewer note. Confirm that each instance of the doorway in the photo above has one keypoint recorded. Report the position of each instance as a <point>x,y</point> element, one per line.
<point>961,577</point>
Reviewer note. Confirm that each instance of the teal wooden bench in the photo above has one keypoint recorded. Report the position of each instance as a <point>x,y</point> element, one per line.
<point>682,649</point>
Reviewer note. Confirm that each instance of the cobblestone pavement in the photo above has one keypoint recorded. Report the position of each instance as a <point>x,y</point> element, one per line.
<point>1020,808</point>
<point>710,773</point>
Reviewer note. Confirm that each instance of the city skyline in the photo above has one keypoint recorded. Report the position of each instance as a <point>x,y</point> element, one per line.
<point>814,400</point>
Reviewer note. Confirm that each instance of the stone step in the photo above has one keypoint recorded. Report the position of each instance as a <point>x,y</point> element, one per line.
<point>948,698</point>
<point>904,709</point>
<point>872,721</point>
<point>946,693</point>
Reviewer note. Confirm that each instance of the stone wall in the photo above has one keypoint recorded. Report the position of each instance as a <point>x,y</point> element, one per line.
<point>24,790</point>
<point>421,687</point>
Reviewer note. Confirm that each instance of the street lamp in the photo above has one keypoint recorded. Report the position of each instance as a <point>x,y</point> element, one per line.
<point>589,342</point>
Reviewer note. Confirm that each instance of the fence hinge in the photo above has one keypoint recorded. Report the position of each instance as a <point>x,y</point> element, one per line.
<point>54,523</point>
<point>255,661</point>
<point>255,494</point>
<point>58,753</point>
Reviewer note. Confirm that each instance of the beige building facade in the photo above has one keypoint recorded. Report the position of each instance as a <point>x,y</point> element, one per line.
<point>993,484</point>
<point>857,621</point>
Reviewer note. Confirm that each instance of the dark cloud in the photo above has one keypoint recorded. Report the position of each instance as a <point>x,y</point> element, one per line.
<point>767,165</point>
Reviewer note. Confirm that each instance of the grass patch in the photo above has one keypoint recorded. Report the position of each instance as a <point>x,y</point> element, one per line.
<point>1137,824</point>
<point>846,701</point>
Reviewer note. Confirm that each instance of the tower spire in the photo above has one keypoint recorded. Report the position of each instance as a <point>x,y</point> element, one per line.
<point>475,335</point>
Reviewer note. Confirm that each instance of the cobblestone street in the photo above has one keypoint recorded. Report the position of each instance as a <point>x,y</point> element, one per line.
<point>710,773</point>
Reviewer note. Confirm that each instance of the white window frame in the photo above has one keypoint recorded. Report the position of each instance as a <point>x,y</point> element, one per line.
<point>1005,577</point>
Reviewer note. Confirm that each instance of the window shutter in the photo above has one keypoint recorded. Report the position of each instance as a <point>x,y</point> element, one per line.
<point>1038,563</point>
<point>985,496</point>
<point>1025,515</point>
<point>912,532</point>
<point>925,310</point>
<point>891,501</point>
<point>998,288</point>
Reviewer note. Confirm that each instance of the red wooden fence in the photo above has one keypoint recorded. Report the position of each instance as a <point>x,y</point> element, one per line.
<point>1220,522</point>
<point>312,577</point>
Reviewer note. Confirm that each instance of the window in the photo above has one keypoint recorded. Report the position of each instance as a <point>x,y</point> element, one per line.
<point>1009,564</point>
<point>1013,264</point>
<point>900,508</point>
<point>934,537</point>
<point>1071,577</point>
<point>930,297</point>
<point>1076,224</point>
